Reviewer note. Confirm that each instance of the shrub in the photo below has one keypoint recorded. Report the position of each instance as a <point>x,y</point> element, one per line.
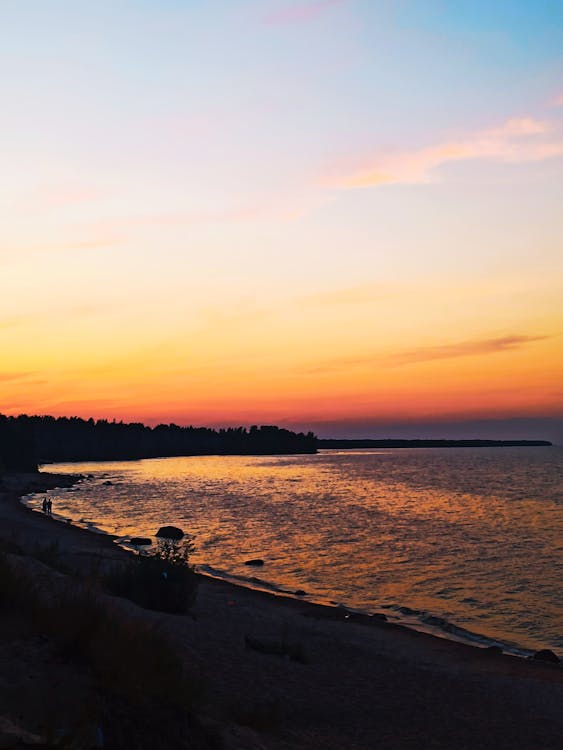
<point>127,656</point>
<point>146,697</point>
<point>163,580</point>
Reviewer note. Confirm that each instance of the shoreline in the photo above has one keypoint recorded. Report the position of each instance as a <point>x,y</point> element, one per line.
<point>356,681</point>
<point>426,622</point>
<point>334,612</point>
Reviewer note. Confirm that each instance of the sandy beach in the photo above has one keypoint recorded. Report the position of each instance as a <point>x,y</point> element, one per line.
<point>354,682</point>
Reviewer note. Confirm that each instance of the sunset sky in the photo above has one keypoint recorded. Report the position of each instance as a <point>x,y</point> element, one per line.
<point>342,215</point>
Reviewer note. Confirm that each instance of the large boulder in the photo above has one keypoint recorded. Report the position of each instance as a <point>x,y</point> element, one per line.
<point>170,532</point>
<point>256,562</point>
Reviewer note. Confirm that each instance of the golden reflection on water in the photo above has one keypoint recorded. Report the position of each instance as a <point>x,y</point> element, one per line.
<point>471,535</point>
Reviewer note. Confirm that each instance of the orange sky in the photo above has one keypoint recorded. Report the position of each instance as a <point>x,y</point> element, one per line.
<point>217,215</point>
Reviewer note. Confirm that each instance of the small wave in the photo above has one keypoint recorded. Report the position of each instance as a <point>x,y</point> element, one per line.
<point>95,529</point>
<point>247,581</point>
<point>407,616</point>
<point>211,541</point>
<point>429,623</point>
<point>404,610</point>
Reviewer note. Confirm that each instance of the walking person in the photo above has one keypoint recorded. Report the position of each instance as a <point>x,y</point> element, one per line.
<point>44,505</point>
<point>49,507</point>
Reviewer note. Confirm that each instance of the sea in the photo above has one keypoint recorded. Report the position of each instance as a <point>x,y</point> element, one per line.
<point>466,543</point>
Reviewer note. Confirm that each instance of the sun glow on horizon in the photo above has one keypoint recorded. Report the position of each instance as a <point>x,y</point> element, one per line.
<point>233,215</point>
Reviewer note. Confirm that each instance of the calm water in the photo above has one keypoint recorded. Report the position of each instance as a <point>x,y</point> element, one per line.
<point>473,537</point>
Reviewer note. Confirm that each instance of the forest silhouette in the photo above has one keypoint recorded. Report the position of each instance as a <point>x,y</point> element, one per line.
<point>26,441</point>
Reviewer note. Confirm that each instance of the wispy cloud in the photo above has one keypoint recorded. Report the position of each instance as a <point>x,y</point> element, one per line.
<point>462,349</point>
<point>472,348</point>
<point>301,12</point>
<point>14,377</point>
<point>557,101</point>
<point>517,140</point>
<point>181,218</point>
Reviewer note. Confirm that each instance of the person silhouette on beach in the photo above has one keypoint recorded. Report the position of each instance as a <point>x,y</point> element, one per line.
<point>49,507</point>
<point>44,505</point>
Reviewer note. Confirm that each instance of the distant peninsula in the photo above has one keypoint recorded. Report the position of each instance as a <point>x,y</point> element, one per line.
<point>343,444</point>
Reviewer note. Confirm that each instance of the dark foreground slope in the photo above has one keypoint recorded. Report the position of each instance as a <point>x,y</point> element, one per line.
<point>338,682</point>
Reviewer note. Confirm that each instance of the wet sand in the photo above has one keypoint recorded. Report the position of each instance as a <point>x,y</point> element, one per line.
<point>353,681</point>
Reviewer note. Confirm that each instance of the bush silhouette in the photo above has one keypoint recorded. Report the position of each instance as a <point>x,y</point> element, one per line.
<point>163,579</point>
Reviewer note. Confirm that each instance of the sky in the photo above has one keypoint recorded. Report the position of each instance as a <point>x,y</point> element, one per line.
<point>339,215</point>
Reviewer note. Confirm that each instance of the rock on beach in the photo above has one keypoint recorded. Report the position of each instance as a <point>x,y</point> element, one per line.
<point>140,541</point>
<point>170,532</point>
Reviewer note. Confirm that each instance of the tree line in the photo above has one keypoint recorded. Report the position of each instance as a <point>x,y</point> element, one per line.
<point>26,441</point>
